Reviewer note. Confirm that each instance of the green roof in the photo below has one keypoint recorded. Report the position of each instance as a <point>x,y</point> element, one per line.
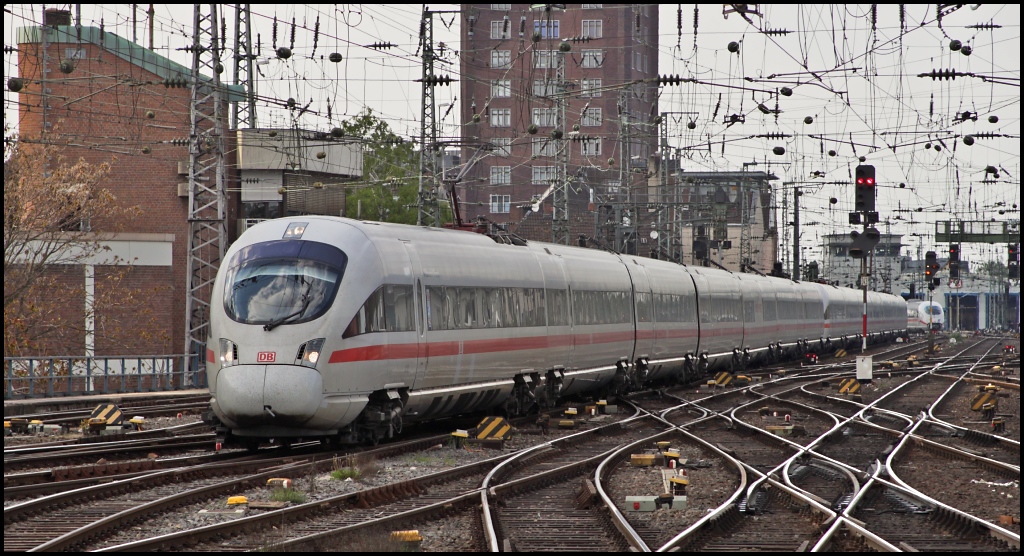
<point>122,48</point>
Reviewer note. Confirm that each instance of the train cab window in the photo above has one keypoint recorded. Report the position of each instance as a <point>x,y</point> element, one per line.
<point>282,282</point>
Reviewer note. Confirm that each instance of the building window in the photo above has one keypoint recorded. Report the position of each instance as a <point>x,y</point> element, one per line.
<point>593,28</point>
<point>543,59</point>
<point>592,58</point>
<point>592,6</point>
<point>501,175</point>
<point>543,174</point>
<point>638,61</point>
<point>547,29</point>
<point>501,7</point>
<point>501,88</point>
<point>591,117</point>
<point>544,117</point>
<point>502,146</point>
<point>544,147</point>
<point>500,203</point>
<point>501,117</point>
<point>543,87</point>
<point>500,29</point>
<point>590,88</point>
<point>501,59</point>
<point>590,147</point>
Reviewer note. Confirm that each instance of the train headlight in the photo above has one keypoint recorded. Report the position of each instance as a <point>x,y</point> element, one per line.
<point>228,353</point>
<point>309,353</point>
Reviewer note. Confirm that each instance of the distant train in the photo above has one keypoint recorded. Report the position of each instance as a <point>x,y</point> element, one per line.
<point>345,330</point>
<point>924,315</point>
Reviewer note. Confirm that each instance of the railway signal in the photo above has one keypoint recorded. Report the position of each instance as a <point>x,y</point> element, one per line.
<point>929,266</point>
<point>954,261</point>
<point>1013,264</point>
<point>864,191</point>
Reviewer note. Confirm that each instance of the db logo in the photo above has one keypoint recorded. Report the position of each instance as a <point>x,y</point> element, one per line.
<point>266,356</point>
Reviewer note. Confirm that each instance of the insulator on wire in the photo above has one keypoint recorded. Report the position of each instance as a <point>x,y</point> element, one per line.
<point>273,33</point>
<point>316,34</point>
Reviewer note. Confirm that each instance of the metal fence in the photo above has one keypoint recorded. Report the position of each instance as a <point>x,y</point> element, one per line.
<point>36,377</point>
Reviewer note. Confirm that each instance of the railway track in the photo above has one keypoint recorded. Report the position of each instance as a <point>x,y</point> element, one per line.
<point>970,484</point>
<point>914,525</point>
<point>72,516</point>
<point>534,500</point>
<point>771,520</point>
<point>758,450</point>
<point>117,451</point>
<point>832,487</point>
<point>712,478</point>
<point>857,445</point>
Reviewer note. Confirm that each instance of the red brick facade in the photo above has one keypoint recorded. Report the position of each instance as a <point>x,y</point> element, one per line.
<point>112,109</point>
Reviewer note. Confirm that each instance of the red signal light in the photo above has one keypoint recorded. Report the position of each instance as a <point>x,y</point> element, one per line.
<point>870,181</point>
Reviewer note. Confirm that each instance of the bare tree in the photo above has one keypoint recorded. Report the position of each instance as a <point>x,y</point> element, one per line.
<point>50,207</point>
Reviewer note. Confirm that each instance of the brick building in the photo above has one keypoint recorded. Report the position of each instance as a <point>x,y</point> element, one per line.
<point>510,95</point>
<point>103,99</point>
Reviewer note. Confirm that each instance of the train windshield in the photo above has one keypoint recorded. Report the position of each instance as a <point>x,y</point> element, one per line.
<point>266,286</point>
<point>933,310</point>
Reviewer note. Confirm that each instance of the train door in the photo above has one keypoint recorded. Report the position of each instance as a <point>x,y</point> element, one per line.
<point>644,331</point>
<point>419,293</point>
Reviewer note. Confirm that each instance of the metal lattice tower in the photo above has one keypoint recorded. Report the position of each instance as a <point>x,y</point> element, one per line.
<point>243,115</point>
<point>560,191</point>
<point>427,200</point>
<point>667,202</point>
<point>207,188</point>
<point>746,248</point>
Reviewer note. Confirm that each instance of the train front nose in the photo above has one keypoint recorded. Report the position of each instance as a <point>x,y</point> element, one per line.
<point>274,395</point>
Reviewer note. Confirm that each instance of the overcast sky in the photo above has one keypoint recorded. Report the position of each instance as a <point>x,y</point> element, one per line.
<point>857,81</point>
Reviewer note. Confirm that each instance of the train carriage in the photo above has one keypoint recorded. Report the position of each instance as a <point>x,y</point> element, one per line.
<point>334,328</point>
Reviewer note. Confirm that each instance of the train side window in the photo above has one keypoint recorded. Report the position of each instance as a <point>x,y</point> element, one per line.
<point>749,311</point>
<point>398,302</point>
<point>558,313</point>
<point>435,308</point>
<point>643,307</point>
<point>369,317</point>
<point>466,312</point>
<point>769,309</point>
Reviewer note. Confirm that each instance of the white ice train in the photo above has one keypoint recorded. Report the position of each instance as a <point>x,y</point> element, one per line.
<point>924,315</point>
<point>344,330</point>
